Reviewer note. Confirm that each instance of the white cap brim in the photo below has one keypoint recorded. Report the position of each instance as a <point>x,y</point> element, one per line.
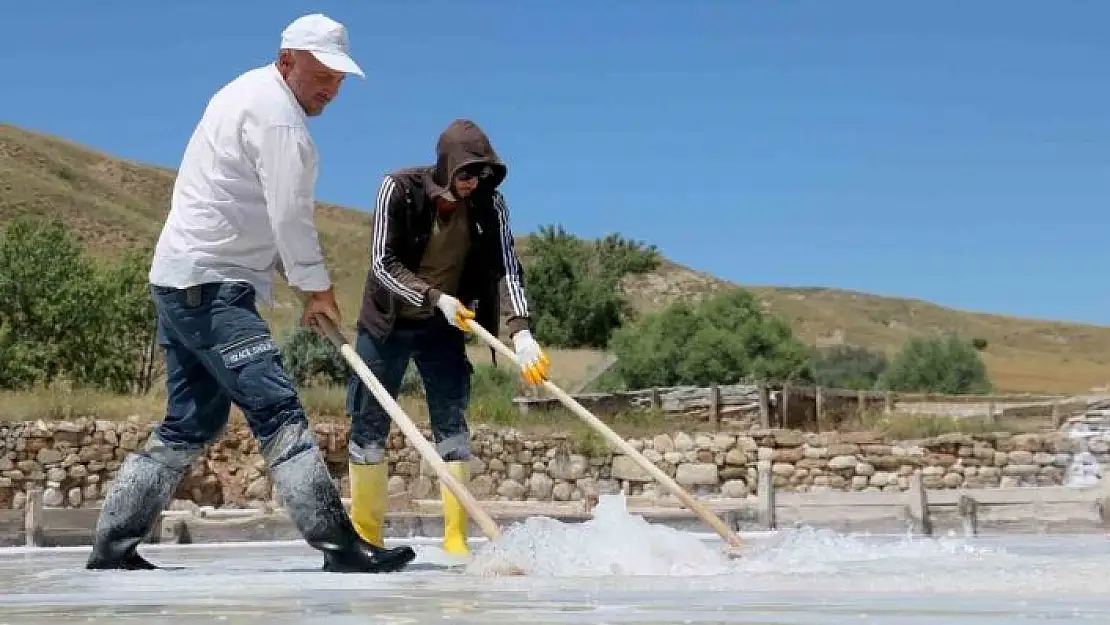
<point>339,62</point>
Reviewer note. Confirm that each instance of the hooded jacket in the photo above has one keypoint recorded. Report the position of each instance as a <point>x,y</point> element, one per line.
<point>402,223</point>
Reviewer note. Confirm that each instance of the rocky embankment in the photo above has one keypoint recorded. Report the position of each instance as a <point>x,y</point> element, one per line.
<point>75,461</point>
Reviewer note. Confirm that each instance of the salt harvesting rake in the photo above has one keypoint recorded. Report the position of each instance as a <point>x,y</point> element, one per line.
<point>468,501</point>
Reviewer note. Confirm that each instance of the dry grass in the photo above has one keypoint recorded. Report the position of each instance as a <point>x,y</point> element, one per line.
<point>326,405</point>
<point>62,404</point>
<point>905,426</point>
<point>115,204</point>
<point>1023,355</point>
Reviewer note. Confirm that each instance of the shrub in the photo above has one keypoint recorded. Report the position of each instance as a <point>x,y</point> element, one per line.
<point>937,365</point>
<point>574,286</point>
<point>848,366</point>
<point>723,339</point>
<point>64,317</point>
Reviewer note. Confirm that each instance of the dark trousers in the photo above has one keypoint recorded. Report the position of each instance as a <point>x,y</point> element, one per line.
<point>439,351</point>
<point>219,350</point>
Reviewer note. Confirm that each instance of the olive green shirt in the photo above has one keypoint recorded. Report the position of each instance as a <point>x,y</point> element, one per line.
<point>442,263</point>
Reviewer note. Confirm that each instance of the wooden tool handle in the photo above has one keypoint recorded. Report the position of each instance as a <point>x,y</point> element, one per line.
<point>700,509</point>
<point>409,428</point>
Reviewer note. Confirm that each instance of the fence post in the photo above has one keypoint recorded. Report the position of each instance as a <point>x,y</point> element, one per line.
<point>32,518</point>
<point>766,498</point>
<point>784,407</point>
<point>1102,502</point>
<point>968,510</point>
<point>764,406</point>
<point>888,403</point>
<point>919,505</point>
<point>715,406</point>
<point>819,407</point>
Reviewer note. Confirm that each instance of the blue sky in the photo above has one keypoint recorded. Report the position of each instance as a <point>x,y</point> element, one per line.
<point>949,151</point>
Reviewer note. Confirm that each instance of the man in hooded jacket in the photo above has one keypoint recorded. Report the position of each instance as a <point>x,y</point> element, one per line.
<point>440,238</point>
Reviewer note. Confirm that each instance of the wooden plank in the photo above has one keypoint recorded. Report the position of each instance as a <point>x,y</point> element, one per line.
<point>764,406</point>
<point>65,527</point>
<point>937,398</point>
<point>11,528</point>
<point>819,409</point>
<point>62,526</point>
<point>1018,495</point>
<point>715,406</point>
<point>260,526</point>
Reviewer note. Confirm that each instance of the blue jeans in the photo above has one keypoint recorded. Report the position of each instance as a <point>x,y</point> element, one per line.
<point>219,350</point>
<point>439,351</point>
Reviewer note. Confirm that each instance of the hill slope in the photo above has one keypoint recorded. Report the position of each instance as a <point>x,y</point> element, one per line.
<point>115,204</point>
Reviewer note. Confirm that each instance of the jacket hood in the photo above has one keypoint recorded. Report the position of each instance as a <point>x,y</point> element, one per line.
<point>463,143</point>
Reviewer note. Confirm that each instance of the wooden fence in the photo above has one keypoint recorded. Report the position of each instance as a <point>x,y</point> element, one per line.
<point>884,511</point>
<point>809,407</point>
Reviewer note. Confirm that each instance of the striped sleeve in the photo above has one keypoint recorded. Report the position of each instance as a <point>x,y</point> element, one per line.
<point>513,280</point>
<point>384,264</point>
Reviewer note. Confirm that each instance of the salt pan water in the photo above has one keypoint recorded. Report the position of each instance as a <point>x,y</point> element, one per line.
<point>613,569</point>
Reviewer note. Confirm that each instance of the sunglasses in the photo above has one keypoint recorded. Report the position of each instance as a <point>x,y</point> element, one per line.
<point>474,171</point>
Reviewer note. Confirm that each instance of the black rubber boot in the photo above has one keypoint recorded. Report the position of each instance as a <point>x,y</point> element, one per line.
<point>139,493</point>
<point>305,487</point>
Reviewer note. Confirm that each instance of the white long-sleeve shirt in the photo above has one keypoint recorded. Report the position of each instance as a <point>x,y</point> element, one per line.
<point>243,202</point>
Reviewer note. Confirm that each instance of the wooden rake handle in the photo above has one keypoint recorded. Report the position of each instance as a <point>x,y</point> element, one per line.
<point>489,528</point>
<point>705,513</point>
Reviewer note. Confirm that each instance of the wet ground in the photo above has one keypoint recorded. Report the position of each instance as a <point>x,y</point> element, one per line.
<point>616,570</point>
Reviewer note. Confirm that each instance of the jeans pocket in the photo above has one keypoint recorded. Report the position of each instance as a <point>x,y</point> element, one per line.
<point>254,369</point>
<point>246,351</point>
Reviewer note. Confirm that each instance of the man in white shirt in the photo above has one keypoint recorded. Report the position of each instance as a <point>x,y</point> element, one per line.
<point>242,207</point>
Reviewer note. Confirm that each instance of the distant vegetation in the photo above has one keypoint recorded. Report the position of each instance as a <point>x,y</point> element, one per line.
<point>722,338</point>
<point>65,317</point>
<point>936,364</point>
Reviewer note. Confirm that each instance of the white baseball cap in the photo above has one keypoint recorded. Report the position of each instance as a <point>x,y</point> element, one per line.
<point>325,38</point>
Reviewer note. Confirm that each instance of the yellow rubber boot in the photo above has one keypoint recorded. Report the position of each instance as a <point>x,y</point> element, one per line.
<point>454,515</point>
<point>369,500</point>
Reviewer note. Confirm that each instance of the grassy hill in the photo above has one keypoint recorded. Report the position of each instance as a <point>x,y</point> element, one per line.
<point>115,204</point>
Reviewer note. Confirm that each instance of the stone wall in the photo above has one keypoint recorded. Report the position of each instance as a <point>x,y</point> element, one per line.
<point>75,461</point>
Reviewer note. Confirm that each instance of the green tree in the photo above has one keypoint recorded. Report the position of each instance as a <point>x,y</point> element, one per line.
<point>124,318</point>
<point>723,339</point>
<point>574,285</point>
<point>947,365</point>
<point>63,316</point>
<point>848,366</point>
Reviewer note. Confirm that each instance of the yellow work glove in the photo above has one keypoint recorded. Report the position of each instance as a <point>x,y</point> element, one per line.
<point>456,314</point>
<point>533,362</point>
